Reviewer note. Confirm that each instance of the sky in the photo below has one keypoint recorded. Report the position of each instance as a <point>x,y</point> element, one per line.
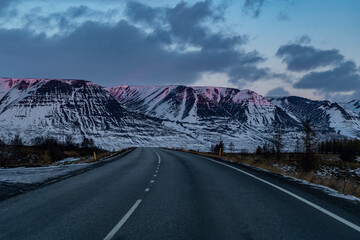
<point>307,48</point>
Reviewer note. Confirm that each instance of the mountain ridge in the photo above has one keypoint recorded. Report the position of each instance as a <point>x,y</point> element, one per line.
<point>74,107</point>
<point>224,114</point>
<point>172,116</point>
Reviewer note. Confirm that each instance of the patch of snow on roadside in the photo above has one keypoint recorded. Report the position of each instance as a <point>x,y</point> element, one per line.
<point>68,160</point>
<point>33,175</point>
<point>328,190</point>
<point>325,189</point>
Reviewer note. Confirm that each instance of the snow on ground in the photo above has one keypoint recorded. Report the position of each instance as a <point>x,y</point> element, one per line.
<point>328,190</point>
<point>68,160</point>
<point>31,175</point>
<point>333,172</point>
<point>325,189</point>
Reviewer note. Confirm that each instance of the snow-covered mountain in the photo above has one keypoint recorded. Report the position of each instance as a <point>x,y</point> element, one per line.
<point>353,105</point>
<point>209,113</point>
<point>198,104</point>
<point>325,116</point>
<point>240,116</point>
<point>172,116</point>
<point>52,107</point>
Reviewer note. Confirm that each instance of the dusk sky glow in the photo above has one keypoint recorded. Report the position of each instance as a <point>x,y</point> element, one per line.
<point>274,47</point>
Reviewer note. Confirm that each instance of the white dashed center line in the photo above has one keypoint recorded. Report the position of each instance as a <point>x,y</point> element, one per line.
<point>132,209</point>
<point>122,221</point>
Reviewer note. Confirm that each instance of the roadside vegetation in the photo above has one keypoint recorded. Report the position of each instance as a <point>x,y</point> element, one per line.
<point>328,169</point>
<point>332,163</point>
<point>47,151</point>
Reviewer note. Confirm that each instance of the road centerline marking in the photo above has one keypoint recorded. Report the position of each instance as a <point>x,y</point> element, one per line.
<point>122,221</point>
<point>132,209</point>
<point>158,157</point>
<point>323,210</point>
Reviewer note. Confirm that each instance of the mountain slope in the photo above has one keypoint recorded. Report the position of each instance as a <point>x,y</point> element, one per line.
<point>324,115</point>
<point>210,113</point>
<point>172,116</point>
<point>194,104</point>
<point>51,107</point>
<point>353,105</point>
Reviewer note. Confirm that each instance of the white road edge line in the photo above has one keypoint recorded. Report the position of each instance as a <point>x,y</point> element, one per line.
<point>333,215</point>
<point>122,221</point>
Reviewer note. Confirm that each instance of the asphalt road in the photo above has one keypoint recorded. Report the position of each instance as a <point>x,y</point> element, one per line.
<point>162,194</point>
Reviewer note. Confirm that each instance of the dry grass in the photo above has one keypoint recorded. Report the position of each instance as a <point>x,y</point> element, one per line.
<point>15,156</point>
<point>101,155</point>
<point>90,158</point>
<point>341,180</point>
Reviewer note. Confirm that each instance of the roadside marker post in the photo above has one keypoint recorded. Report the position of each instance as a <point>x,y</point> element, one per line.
<point>220,153</point>
<point>95,156</point>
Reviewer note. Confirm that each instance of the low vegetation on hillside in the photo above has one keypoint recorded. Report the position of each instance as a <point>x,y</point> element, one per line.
<point>46,151</point>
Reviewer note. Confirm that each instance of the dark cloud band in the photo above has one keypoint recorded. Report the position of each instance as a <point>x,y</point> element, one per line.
<point>161,45</point>
<point>304,58</point>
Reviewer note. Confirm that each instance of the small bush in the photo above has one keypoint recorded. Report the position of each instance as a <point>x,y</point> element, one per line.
<point>308,161</point>
<point>87,143</point>
<point>69,141</point>
<point>217,147</point>
<point>348,154</point>
<point>258,150</point>
<point>17,141</point>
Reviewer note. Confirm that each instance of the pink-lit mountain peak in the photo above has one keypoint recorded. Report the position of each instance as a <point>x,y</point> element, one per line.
<point>212,94</point>
<point>193,104</point>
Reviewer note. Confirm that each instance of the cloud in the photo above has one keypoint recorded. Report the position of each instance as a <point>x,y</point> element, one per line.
<point>175,46</point>
<point>185,24</point>
<point>253,7</point>
<point>283,17</point>
<point>279,91</point>
<point>345,77</point>
<point>55,23</point>
<point>343,97</point>
<point>304,58</point>
<point>339,79</point>
<point>7,11</point>
<point>75,12</point>
<point>138,12</point>
<point>5,4</point>
<point>303,39</point>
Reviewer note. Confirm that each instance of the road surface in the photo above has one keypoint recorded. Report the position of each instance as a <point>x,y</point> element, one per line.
<point>163,194</point>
